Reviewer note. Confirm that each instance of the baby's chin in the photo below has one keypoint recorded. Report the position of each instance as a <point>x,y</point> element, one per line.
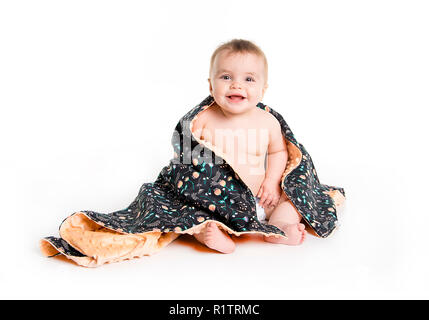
<point>236,107</point>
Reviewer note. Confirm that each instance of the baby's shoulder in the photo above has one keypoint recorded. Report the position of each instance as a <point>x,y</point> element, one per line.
<point>203,118</point>
<point>267,119</point>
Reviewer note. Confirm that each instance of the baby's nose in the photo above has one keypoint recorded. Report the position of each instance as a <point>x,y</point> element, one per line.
<point>236,85</point>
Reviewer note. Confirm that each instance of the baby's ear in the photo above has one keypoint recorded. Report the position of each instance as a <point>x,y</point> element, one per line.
<point>264,89</point>
<point>210,86</point>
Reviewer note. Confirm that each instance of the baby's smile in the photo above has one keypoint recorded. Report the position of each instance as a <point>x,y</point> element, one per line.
<point>235,98</point>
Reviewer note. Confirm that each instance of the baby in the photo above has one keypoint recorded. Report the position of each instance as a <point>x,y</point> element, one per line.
<point>237,82</point>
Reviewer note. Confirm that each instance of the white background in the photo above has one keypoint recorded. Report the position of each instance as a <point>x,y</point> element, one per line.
<point>90,92</point>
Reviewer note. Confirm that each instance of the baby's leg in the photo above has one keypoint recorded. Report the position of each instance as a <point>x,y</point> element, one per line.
<point>215,239</point>
<point>285,217</point>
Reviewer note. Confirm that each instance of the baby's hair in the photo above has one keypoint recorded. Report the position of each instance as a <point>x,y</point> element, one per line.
<point>240,46</point>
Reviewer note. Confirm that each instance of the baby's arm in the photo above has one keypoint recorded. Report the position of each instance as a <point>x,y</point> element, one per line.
<point>270,191</point>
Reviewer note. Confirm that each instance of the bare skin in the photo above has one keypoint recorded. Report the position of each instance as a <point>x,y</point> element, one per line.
<point>215,239</point>
<point>244,135</point>
<point>285,217</point>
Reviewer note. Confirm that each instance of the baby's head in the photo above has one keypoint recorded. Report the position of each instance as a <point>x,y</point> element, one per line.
<point>238,76</point>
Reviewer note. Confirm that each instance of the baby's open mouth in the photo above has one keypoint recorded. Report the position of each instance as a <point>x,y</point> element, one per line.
<point>235,97</point>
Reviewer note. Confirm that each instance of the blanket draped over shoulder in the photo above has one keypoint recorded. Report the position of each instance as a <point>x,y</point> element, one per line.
<point>196,187</point>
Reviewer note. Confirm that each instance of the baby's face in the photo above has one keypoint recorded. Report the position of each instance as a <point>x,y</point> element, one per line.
<point>237,81</point>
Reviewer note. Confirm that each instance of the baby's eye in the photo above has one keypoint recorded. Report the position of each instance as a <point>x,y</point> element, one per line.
<point>250,79</point>
<point>225,77</point>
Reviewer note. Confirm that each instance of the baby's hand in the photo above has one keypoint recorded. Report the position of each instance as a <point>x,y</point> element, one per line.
<point>269,193</point>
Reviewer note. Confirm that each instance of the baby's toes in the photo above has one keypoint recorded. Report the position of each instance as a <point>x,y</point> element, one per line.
<point>210,226</point>
<point>301,227</point>
<point>304,235</point>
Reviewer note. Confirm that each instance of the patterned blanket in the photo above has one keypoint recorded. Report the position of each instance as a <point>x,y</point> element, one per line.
<point>197,186</point>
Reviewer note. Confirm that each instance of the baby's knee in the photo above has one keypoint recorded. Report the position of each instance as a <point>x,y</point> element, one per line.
<point>285,213</point>
<point>283,198</point>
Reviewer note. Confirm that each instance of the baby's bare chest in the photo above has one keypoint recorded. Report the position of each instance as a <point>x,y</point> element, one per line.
<point>250,138</point>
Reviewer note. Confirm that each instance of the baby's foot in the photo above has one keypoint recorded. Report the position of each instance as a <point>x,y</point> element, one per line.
<point>295,232</point>
<point>216,239</point>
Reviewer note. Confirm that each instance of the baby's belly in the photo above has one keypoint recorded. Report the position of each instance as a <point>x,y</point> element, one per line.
<point>252,173</point>
<point>250,166</point>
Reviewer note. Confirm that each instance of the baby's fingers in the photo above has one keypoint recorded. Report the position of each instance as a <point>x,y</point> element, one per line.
<point>271,203</point>
<point>275,201</point>
<point>263,199</point>
<point>266,201</point>
<point>259,192</point>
